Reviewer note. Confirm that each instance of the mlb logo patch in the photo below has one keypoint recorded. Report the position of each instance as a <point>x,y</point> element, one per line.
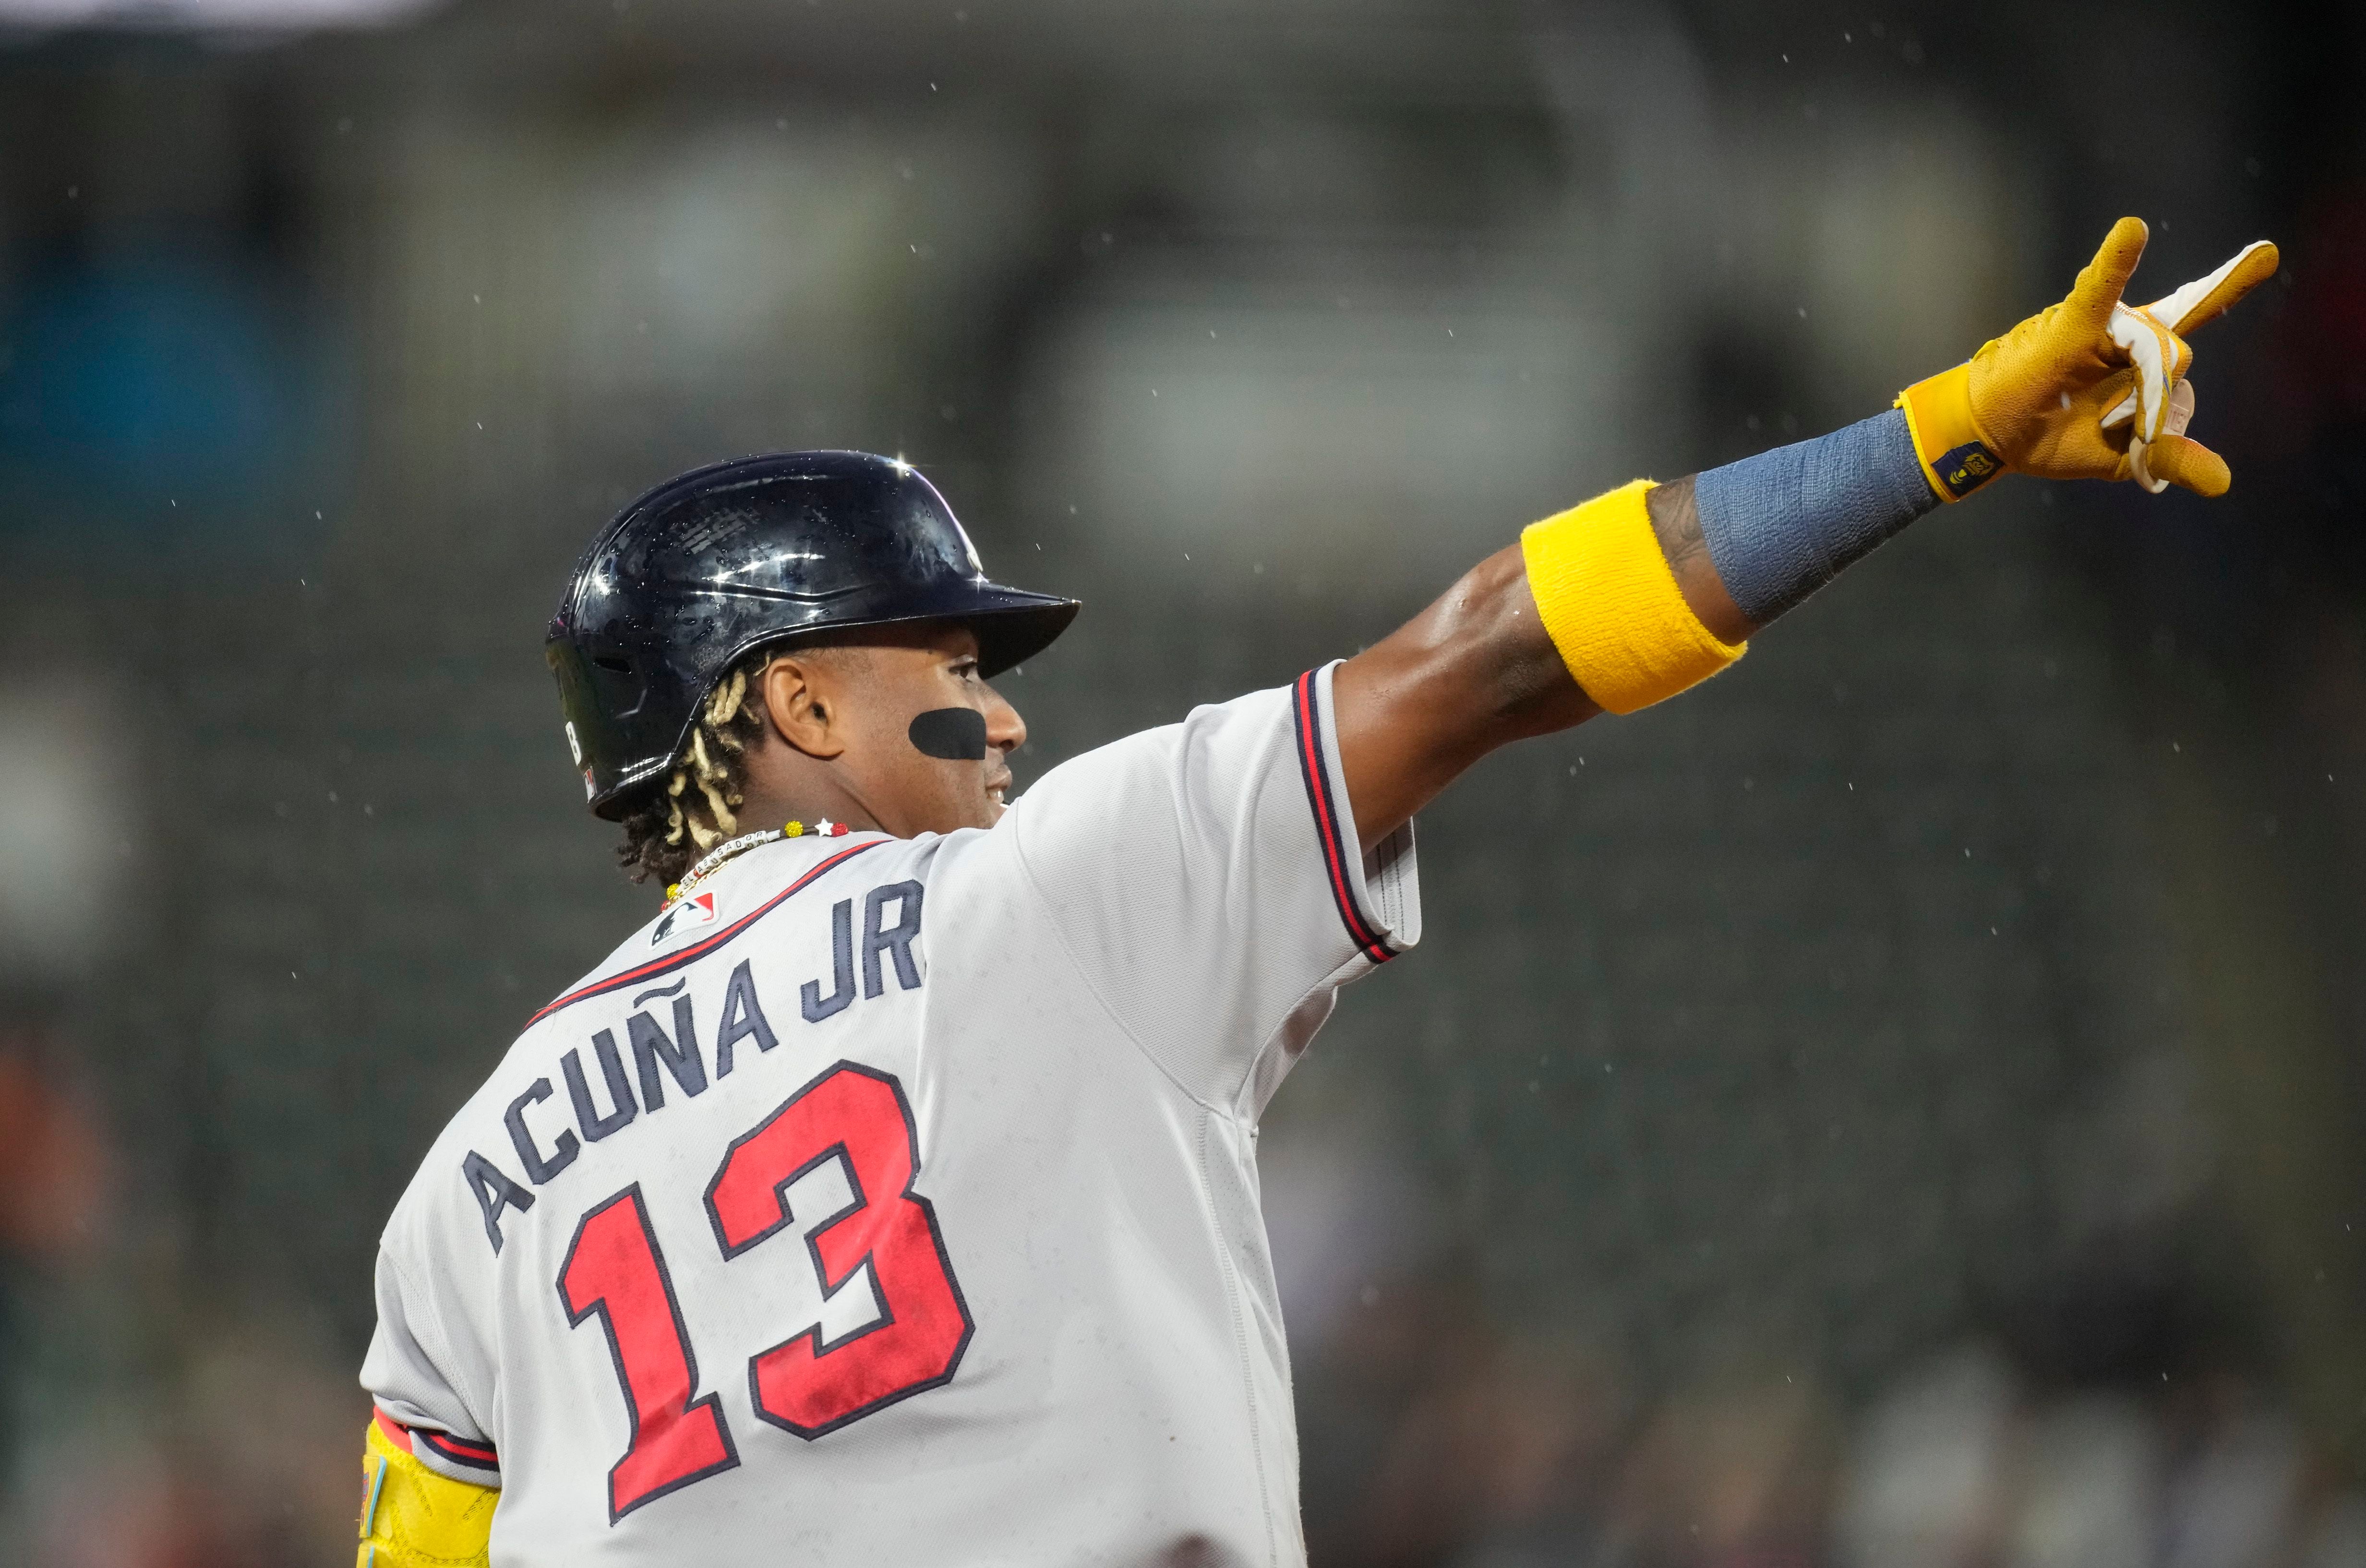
<point>698,909</point>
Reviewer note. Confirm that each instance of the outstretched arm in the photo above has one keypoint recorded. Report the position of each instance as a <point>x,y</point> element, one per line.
<point>1477,670</point>
<point>1639,594</point>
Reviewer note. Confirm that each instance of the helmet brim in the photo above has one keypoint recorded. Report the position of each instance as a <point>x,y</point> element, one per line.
<point>1012,625</point>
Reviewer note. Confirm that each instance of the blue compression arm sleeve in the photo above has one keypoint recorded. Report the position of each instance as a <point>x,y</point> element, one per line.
<point>1783,524</point>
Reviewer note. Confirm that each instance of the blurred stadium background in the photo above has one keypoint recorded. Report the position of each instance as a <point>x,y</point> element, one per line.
<point>1901,1105</point>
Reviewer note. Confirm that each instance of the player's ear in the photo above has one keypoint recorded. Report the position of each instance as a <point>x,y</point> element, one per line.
<point>801,706</point>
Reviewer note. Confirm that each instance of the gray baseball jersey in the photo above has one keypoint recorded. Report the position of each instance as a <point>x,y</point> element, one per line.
<point>896,1201</point>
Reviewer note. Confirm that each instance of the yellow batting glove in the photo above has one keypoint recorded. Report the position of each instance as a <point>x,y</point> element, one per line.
<point>2088,389</point>
<point>413,1518</point>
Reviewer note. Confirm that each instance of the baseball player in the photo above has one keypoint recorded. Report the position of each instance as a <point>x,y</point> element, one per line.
<point>891,1197</point>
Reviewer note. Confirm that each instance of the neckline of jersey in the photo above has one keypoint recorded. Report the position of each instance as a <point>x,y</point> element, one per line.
<point>708,943</point>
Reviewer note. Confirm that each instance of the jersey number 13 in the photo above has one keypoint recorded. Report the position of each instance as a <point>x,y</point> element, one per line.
<point>615,1268</point>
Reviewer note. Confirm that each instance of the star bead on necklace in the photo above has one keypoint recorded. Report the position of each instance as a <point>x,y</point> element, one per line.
<point>713,859</point>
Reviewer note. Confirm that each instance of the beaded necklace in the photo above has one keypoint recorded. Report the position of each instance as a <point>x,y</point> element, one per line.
<point>712,861</point>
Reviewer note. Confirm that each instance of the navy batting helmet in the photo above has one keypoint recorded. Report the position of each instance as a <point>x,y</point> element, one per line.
<point>706,568</point>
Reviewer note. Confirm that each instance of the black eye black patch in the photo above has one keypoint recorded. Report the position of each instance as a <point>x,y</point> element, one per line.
<point>957,734</point>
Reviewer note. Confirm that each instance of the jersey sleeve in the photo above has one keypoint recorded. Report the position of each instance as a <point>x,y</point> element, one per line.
<point>1205,877</point>
<point>412,1373</point>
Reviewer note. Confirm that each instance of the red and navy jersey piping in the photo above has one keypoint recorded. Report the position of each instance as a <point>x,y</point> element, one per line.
<point>705,945</point>
<point>1332,828</point>
<point>459,1452</point>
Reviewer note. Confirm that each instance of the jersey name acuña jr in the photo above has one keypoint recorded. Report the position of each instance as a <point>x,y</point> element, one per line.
<point>896,1201</point>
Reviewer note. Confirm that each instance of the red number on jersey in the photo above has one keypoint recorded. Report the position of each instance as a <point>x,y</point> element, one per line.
<point>613,1268</point>
<point>860,1116</point>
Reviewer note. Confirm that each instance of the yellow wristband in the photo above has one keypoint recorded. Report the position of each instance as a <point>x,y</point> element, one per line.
<point>1956,458</point>
<point>1610,603</point>
<point>412,1518</point>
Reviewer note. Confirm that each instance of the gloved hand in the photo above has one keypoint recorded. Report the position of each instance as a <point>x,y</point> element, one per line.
<point>2088,389</point>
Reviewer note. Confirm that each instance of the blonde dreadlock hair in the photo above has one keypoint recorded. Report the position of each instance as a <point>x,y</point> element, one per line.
<point>695,808</point>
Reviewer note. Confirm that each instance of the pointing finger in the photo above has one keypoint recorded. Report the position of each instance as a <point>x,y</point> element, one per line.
<point>2206,298</point>
<point>2106,277</point>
